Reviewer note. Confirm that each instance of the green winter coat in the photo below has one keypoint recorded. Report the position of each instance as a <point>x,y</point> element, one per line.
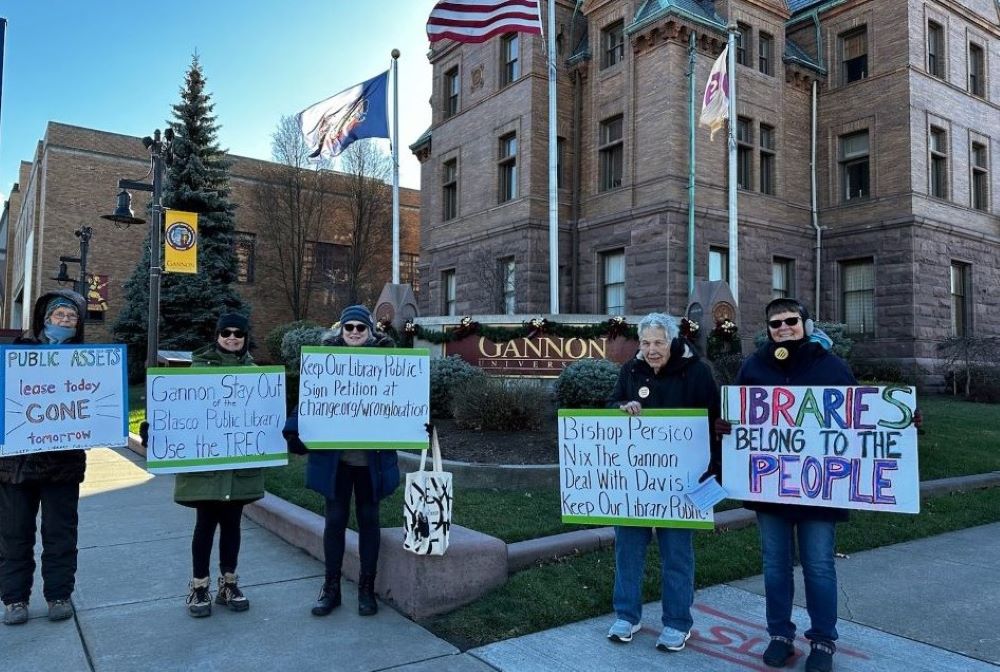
<point>227,485</point>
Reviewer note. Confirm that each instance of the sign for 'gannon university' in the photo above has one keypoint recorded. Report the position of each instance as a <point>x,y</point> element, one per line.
<point>364,398</point>
<point>841,447</point>
<point>542,356</point>
<point>63,397</point>
<point>617,469</point>
<point>212,418</point>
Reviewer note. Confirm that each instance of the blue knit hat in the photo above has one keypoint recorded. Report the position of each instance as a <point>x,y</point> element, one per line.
<point>60,302</point>
<point>358,313</point>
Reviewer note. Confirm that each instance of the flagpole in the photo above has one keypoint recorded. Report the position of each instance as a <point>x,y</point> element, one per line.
<point>395,166</point>
<point>734,249</point>
<point>553,177</point>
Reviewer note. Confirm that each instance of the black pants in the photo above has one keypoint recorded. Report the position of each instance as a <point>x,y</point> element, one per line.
<point>226,516</point>
<point>19,506</point>
<point>338,509</point>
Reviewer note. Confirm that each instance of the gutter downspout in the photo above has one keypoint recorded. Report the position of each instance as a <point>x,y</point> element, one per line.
<point>574,230</point>
<point>691,164</point>
<point>814,208</point>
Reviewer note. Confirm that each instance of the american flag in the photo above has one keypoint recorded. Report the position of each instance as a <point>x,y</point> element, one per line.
<point>479,20</point>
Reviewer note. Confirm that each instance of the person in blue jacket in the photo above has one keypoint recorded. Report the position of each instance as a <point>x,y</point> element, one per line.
<point>371,475</point>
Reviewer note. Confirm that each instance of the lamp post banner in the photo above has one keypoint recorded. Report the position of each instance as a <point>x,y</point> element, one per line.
<point>63,397</point>
<point>180,251</point>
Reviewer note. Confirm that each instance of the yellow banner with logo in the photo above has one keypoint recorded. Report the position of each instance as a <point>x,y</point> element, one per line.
<point>180,248</point>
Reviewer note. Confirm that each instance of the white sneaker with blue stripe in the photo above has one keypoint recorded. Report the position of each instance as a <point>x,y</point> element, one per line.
<point>622,631</point>
<point>672,640</point>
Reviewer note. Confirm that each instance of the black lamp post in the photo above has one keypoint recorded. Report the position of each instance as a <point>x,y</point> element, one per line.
<point>161,154</point>
<point>80,283</point>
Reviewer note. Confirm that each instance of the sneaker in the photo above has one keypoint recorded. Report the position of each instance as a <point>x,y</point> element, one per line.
<point>779,652</point>
<point>199,600</point>
<point>60,610</point>
<point>820,657</point>
<point>15,613</point>
<point>230,595</point>
<point>672,640</point>
<point>622,631</point>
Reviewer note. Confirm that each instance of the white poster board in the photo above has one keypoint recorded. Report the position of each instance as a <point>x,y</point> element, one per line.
<point>841,447</point>
<point>63,397</point>
<point>212,418</point>
<point>364,398</point>
<point>616,469</point>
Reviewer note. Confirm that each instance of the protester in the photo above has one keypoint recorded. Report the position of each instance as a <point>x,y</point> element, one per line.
<point>218,497</point>
<point>371,475</point>
<point>49,480</point>
<point>666,373</point>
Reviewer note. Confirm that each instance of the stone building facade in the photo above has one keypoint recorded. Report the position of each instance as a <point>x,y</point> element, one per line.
<point>907,126</point>
<point>72,181</point>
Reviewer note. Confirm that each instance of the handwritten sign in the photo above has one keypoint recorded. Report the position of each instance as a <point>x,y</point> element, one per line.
<point>364,398</point>
<point>841,447</point>
<point>63,397</point>
<point>617,469</point>
<point>212,418</point>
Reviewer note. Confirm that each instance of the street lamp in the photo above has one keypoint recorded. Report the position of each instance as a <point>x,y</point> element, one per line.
<point>161,154</point>
<point>80,283</point>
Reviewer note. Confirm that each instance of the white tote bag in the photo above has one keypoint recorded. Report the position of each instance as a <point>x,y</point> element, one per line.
<point>427,504</point>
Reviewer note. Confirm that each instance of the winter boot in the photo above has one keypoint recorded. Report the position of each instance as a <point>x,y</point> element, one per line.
<point>15,613</point>
<point>230,595</point>
<point>199,600</point>
<point>329,596</point>
<point>367,606</point>
<point>60,610</point>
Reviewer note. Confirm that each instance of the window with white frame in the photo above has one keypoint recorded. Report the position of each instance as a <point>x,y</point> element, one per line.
<point>782,278</point>
<point>613,44</point>
<point>510,59</point>
<point>718,263</point>
<point>960,274</point>
<point>939,162</point>
<point>448,292</point>
<point>613,282</point>
<point>857,305</point>
<point>854,165</point>
<point>980,176</point>
<point>611,153</point>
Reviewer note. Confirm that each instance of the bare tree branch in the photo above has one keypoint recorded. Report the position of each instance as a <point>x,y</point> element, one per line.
<point>367,170</point>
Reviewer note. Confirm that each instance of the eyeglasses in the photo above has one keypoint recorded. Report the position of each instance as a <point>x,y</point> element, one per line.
<point>790,321</point>
<point>232,333</point>
<point>68,316</point>
<point>360,328</point>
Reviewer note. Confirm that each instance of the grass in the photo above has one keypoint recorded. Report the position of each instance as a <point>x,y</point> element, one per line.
<point>960,438</point>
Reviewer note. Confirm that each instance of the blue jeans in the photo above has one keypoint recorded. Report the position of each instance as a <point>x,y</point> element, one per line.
<point>816,549</point>
<point>676,574</point>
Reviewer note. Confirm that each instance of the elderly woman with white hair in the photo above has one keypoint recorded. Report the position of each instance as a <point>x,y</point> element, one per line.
<point>666,373</point>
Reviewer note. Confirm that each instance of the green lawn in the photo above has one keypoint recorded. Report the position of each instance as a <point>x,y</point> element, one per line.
<point>960,438</point>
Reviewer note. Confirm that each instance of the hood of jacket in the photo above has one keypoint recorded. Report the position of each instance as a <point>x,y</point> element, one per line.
<point>38,315</point>
<point>210,355</point>
<point>682,355</point>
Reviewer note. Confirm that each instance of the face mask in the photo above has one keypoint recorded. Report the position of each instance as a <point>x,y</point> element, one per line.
<point>56,333</point>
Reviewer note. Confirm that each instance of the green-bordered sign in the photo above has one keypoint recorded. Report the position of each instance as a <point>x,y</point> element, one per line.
<point>617,469</point>
<point>211,418</point>
<point>364,398</point>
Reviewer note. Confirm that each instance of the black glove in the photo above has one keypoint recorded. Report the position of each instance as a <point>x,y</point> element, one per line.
<point>144,433</point>
<point>714,471</point>
<point>429,426</point>
<point>722,427</point>
<point>295,445</point>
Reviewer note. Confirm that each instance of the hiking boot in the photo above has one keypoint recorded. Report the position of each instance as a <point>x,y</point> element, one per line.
<point>15,613</point>
<point>367,606</point>
<point>621,631</point>
<point>199,600</point>
<point>230,595</point>
<point>779,652</point>
<point>821,657</point>
<point>60,610</point>
<point>672,640</point>
<point>329,596</point>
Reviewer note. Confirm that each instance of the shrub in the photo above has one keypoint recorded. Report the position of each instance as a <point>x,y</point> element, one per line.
<point>273,340</point>
<point>586,384</point>
<point>495,404</point>
<point>983,382</point>
<point>880,372</point>
<point>294,339</point>
<point>447,374</point>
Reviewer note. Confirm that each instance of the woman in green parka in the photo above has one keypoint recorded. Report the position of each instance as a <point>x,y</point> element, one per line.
<point>218,497</point>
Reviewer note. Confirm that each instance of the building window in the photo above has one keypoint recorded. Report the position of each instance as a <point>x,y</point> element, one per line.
<point>939,162</point>
<point>244,248</point>
<point>507,168</point>
<point>782,276</point>
<point>977,71</point>
<point>449,190</point>
<point>854,173</point>
<point>980,177</point>
<point>935,49</point>
<point>959,299</point>
<point>560,162</point>
<point>743,44</point>
<point>718,263</point>
<point>408,274</point>
<point>612,150</point>
<point>508,288</point>
<point>765,53</point>
<point>744,152</point>
<point>510,62</point>
<point>858,299</point>
<point>614,282</point>
<point>854,55</point>
<point>448,294</point>
<point>613,44</point>
<point>767,159</point>
<point>451,89</point>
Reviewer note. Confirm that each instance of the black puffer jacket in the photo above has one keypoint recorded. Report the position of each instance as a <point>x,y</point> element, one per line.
<point>63,466</point>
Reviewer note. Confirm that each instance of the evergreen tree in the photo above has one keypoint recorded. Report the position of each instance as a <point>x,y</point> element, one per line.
<point>197,180</point>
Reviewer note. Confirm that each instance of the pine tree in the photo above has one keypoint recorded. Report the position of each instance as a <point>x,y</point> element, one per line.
<point>197,180</point>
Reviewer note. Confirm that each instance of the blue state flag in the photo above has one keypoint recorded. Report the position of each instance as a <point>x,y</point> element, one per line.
<point>360,111</point>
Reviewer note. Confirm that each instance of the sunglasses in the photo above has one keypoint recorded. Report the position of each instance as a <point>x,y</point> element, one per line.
<point>228,333</point>
<point>360,328</point>
<point>790,321</point>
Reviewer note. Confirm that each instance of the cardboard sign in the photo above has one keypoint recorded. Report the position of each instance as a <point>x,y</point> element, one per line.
<point>212,418</point>
<point>841,447</point>
<point>63,397</point>
<point>364,398</point>
<point>616,469</point>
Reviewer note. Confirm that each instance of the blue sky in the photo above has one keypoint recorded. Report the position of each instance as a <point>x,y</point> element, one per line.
<point>118,66</point>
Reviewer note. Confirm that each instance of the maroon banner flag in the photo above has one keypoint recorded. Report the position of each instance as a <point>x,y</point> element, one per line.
<point>479,20</point>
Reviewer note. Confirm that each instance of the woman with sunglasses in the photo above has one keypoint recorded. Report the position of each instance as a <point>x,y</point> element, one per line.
<point>218,497</point>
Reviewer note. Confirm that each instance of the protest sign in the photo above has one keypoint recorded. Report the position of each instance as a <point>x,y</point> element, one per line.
<point>617,469</point>
<point>364,398</point>
<point>63,397</point>
<point>212,418</point>
<point>841,447</point>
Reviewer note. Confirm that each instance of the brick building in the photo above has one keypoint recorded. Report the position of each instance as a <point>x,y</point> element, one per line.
<point>72,181</point>
<point>907,123</point>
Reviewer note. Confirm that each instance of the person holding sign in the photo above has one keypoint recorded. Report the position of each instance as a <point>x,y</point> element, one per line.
<point>46,480</point>
<point>218,497</point>
<point>371,475</point>
<point>666,373</point>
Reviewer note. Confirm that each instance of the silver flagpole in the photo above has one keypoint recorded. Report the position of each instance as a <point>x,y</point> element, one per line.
<point>395,166</point>
<point>553,178</point>
<point>734,245</point>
